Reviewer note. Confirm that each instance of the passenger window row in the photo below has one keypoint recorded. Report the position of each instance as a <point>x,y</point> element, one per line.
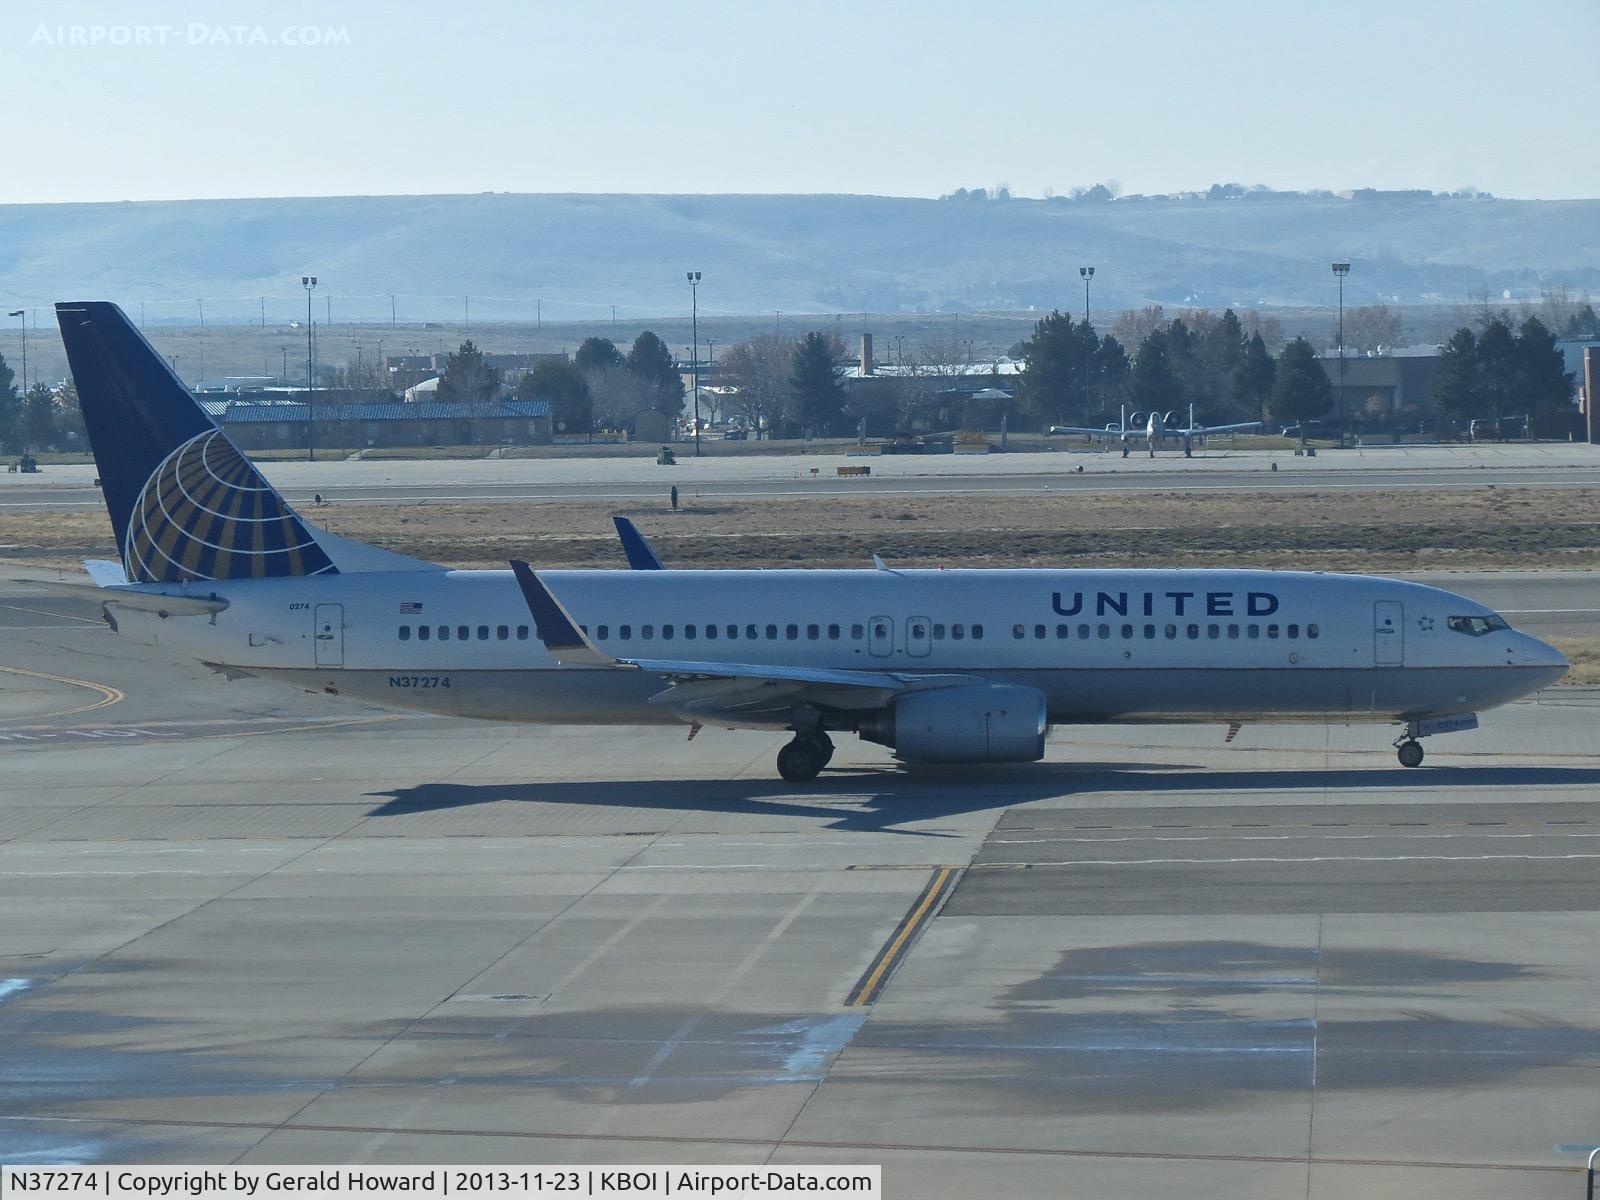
<point>1169,631</point>
<point>772,633</point>
<point>711,633</point>
<point>463,633</point>
<point>1192,631</point>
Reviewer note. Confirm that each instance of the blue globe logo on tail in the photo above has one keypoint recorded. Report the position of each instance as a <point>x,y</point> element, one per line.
<point>206,513</point>
<point>184,502</point>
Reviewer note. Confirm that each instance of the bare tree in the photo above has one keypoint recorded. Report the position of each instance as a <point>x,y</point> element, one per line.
<point>1369,327</point>
<point>1482,310</point>
<point>1558,306</point>
<point>360,373</point>
<point>617,394</point>
<point>1270,329</point>
<point>759,370</point>
<point>930,372</point>
<point>1132,327</point>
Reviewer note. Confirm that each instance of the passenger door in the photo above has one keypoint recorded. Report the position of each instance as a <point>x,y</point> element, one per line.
<point>918,641</point>
<point>1388,634</point>
<point>329,629</point>
<point>880,636</point>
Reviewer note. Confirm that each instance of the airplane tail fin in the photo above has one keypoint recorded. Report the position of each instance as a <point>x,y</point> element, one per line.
<point>185,503</point>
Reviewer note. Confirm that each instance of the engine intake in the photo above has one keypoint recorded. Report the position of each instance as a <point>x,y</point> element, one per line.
<point>981,723</point>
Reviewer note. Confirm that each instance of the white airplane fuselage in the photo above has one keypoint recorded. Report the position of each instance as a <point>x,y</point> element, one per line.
<point>1101,645</point>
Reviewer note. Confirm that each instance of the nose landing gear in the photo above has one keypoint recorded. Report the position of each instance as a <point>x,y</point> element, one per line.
<point>1408,746</point>
<point>802,760</point>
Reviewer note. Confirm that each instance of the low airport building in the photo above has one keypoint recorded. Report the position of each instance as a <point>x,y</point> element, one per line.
<point>352,419</point>
<point>1388,390</point>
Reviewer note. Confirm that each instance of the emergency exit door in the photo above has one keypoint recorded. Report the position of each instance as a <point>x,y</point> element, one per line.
<point>880,636</point>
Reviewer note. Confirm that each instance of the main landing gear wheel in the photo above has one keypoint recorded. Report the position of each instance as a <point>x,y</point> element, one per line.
<point>1409,753</point>
<point>802,760</point>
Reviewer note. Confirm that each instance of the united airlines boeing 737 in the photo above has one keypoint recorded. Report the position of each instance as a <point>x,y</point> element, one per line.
<point>959,666</point>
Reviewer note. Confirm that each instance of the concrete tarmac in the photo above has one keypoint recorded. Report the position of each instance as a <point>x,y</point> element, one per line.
<point>241,923</point>
<point>1378,468</point>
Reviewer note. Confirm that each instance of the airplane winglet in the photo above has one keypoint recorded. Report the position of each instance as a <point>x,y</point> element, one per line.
<point>557,630</point>
<point>641,556</point>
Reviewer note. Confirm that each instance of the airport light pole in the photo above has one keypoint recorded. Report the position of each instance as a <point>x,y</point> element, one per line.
<point>308,282</point>
<point>23,313</point>
<point>1340,270</point>
<point>694,351</point>
<point>1088,400</point>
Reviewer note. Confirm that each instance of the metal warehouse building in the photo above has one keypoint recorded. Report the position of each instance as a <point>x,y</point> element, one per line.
<point>268,424</point>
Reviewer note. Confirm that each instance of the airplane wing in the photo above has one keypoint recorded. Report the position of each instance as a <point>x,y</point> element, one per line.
<point>1088,432</point>
<point>641,555</point>
<point>1202,430</point>
<point>705,689</point>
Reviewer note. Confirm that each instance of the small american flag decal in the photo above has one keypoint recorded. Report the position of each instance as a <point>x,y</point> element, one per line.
<point>410,608</point>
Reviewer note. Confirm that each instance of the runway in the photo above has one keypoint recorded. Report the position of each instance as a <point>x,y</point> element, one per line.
<point>488,481</point>
<point>240,923</point>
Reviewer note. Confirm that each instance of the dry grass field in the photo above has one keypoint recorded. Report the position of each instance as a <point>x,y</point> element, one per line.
<point>1399,533</point>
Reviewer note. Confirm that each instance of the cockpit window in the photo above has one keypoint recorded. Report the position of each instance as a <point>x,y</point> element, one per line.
<point>1478,626</point>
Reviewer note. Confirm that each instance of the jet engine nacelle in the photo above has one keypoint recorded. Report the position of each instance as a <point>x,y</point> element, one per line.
<point>980,723</point>
<point>1138,421</point>
<point>1171,419</point>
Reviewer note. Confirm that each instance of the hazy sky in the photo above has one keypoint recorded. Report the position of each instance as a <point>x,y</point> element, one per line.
<point>168,99</point>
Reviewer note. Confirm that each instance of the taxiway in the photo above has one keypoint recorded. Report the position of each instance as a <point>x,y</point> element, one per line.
<point>239,923</point>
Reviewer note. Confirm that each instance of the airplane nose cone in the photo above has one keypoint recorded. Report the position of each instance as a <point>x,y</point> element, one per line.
<point>1543,657</point>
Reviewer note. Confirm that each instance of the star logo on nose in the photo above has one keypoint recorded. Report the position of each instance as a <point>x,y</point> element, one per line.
<point>1425,624</point>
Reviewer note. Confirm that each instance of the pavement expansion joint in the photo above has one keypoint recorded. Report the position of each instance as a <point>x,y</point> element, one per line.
<point>923,909</point>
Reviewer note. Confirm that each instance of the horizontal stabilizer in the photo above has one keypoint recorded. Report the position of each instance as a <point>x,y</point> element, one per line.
<point>104,572</point>
<point>160,603</point>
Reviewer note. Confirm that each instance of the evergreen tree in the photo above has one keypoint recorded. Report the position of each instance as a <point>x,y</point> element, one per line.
<point>652,361</point>
<point>1110,381</point>
<point>1151,384</point>
<point>597,354</point>
<point>69,417</point>
<point>1253,377</point>
<point>1052,370</point>
<point>1457,389</point>
<point>1223,346</point>
<point>1584,323</point>
<point>1181,341</point>
<point>39,418</point>
<point>814,379</point>
<point>1301,391</point>
<point>10,410</point>
<point>566,389</point>
<point>1546,382</point>
<point>1499,371</point>
<point>466,378</point>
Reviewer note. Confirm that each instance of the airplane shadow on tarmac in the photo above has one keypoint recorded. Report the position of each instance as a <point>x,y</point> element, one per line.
<point>884,800</point>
